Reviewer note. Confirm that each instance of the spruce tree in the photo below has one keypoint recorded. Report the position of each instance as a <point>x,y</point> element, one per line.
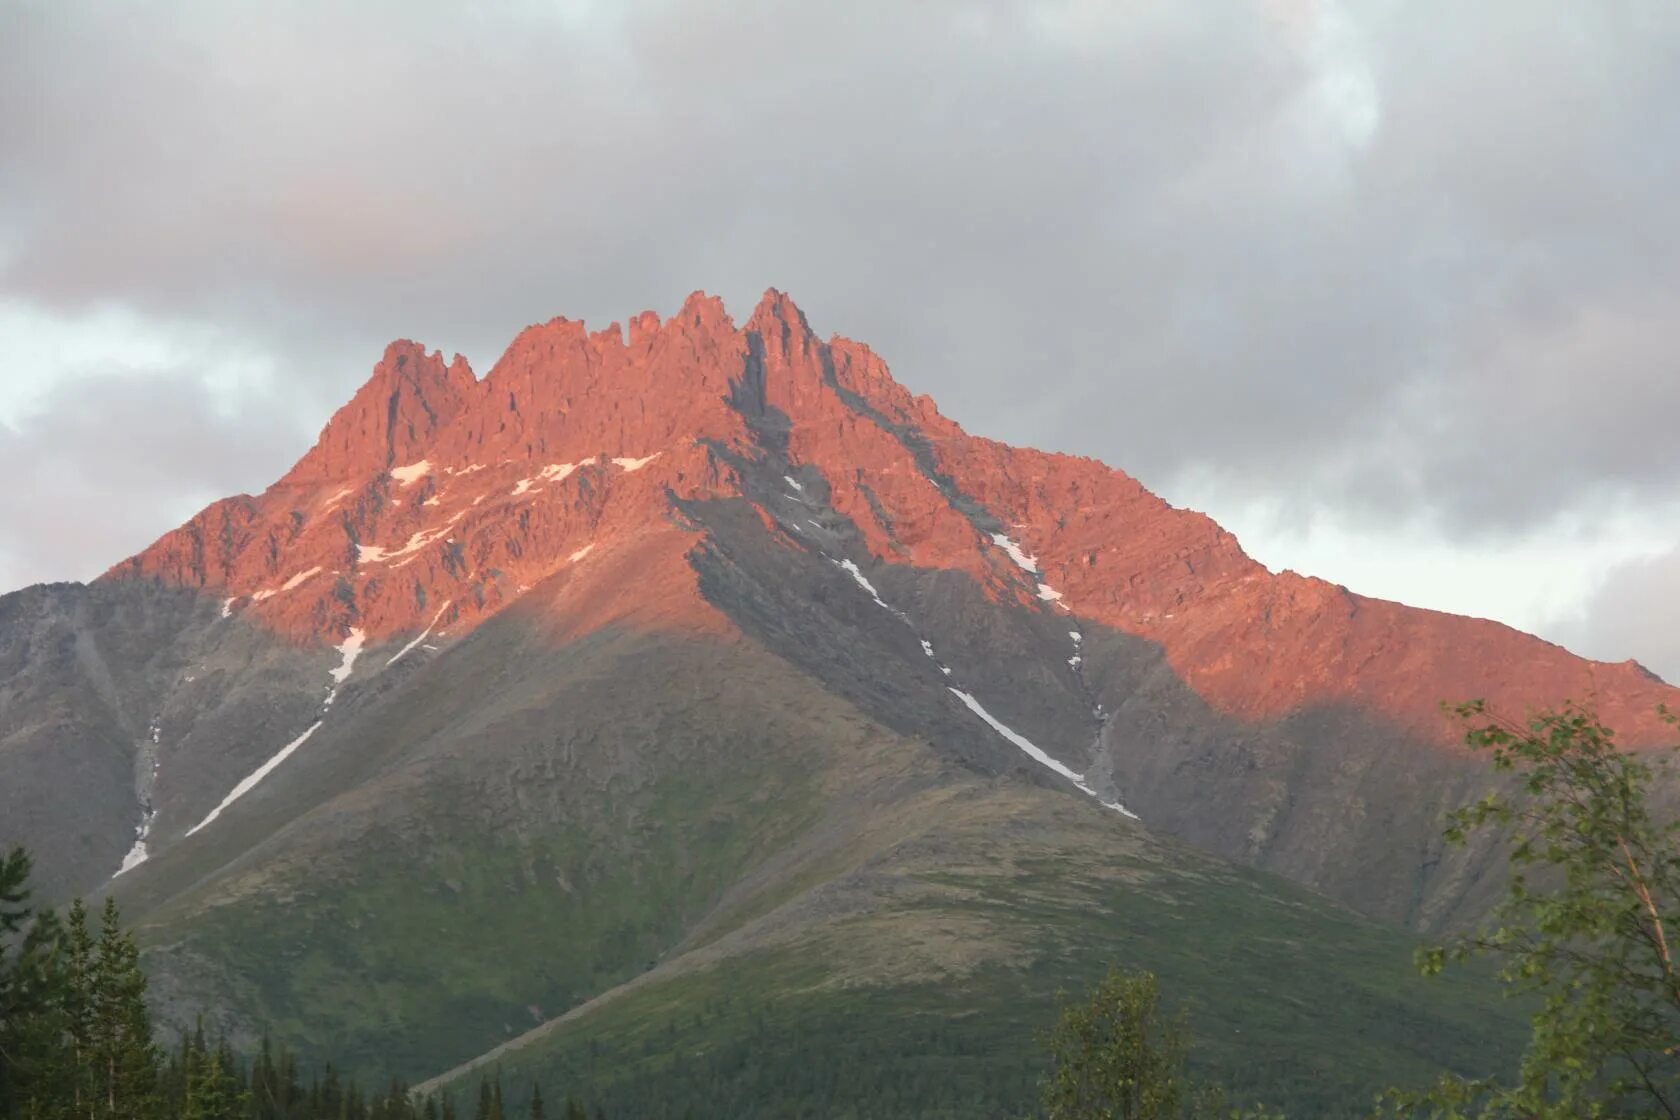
<point>264,1085</point>
<point>289,1092</point>
<point>79,1011</point>
<point>125,1059</point>
<point>536,1101</point>
<point>33,1066</point>
<point>213,1082</point>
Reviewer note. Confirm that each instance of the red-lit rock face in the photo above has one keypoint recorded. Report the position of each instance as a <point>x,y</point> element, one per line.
<point>434,499</point>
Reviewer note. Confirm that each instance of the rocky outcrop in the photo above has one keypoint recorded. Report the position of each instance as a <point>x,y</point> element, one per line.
<point>436,498</point>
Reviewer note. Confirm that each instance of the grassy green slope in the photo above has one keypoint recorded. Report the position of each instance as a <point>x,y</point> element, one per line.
<point>403,898</point>
<point>922,989</point>
<point>753,900</point>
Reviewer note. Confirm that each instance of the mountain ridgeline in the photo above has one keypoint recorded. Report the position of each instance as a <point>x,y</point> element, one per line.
<point>690,714</point>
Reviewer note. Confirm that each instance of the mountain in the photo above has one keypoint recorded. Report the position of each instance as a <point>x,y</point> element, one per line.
<point>695,695</point>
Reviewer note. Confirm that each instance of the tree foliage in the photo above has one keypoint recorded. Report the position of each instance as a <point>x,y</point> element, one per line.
<point>1115,1056</point>
<point>30,980</point>
<point>1118,1055</point>
<point>1590,926</point>
<point>77,1041</point>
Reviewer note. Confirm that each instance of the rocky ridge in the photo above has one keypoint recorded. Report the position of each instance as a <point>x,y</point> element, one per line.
<point>434,499</point>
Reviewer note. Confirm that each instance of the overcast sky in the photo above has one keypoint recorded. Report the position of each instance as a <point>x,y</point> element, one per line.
<point>1390,289</point>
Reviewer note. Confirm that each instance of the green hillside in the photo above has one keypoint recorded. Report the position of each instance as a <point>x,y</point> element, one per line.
<point>929,999</point>
<point>754,901</point>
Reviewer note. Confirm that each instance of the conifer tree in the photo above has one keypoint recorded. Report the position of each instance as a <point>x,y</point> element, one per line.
<point>76,1040</point>
<point>328,1094</point>
<point>213,1089</point>
<point>290,1092</point>
<point>79,1009</point>
<point>355,1104</point>
<point>32,1067</point>
<point>264,1087</point>
<point>125,1059</point>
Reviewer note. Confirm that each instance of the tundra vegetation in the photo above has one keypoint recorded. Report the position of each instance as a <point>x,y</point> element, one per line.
<point>1586,932</point>
<point>1586,935</point>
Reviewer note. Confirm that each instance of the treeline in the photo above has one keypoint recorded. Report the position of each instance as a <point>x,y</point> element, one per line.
<point>77,1041</point>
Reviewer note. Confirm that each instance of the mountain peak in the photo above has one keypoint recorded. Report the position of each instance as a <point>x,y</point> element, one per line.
<point>778,305</point>
<point>393,417</point>
<point>778,321</point>
<point>585,456</point>
<point>701,309</point>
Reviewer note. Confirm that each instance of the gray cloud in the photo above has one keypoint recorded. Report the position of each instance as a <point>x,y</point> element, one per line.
<point>1635,609</point>
<point>1403,261</point>
<point>104,463</point>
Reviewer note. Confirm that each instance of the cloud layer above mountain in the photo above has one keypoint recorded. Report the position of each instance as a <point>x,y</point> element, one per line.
<point>1321,268</point>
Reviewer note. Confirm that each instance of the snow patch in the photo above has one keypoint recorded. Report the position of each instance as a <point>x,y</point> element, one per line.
<point>557,472</point>
<point>636,464</point>
<point>1029,748</point>
<point>259,596</point>
<point>138,853</point>
<point>401,653</point>
<point>227,606</point>
<point>1049,594</point>
<point>1115,805</point>
<point>927,648</point>
<point>298,580</point>
<point>373,554</point>
<point>347,653</point>
<point>1022,560</point>
<point>522,486</point>
<point>793,482</point>
<point>434,500</point>
<point>1026,745</point>
<point>250,781</point>
<point>412,473</point>
<point>582,552</point>
<point>852,570</point>
<point>336,498</point>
